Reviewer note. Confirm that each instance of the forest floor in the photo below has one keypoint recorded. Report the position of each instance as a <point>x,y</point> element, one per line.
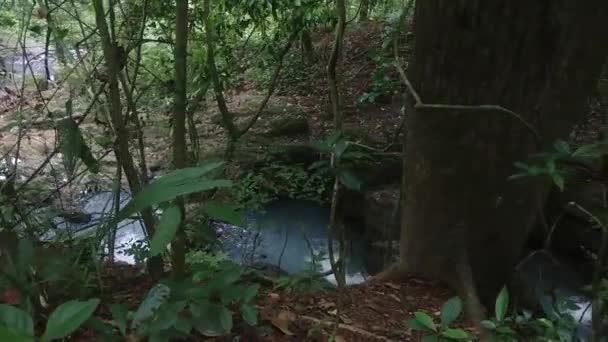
<point>372,311</point>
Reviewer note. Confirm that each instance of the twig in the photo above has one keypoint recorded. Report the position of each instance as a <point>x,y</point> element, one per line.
<point>284,247</point>
<point>419,104</point>
<point>364,333</point>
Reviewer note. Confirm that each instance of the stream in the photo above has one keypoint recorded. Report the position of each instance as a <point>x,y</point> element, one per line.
<point>288,235</point>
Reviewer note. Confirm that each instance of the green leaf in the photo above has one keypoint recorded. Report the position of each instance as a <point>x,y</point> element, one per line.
<point>559,181</point>
<point>450,311</point>
<point>488,324</point>
<point>502,304</point>
<point>9,335</point>
<point>249,314</point>
<point>225,318</point>
<point>120,317</point>
<point>562,147</point>
<point>430,338</point>
<point>505,330</point>
<point>250,292</point>
<point>68,317</point>
<point>156,297</point>
<point>73,145</point>
<point>17,320</point>
<point>350,180</point>
<point>521,165</point>
<point>166,230</point>
<point>340,148</point>
<point>415,325</point>
<point>223,212</point>
<point>455,334</point>
<point>587,151</point>
<point>183,325</point>
<point>425,320</point>
<point>174,184</point>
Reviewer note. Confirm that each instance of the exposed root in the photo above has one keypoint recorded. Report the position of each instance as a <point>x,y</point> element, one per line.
<point>393,272</point>
<point>364,333</point>
<point>473,307</point>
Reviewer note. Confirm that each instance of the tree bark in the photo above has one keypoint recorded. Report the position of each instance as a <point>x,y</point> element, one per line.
<point>179,125</point>
<point>123,154</point>
<point>537,58</point>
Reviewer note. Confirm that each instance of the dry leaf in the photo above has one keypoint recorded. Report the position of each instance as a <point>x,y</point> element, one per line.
<point>397,299</point>
<point>393,286</point>
<point>281,321</point>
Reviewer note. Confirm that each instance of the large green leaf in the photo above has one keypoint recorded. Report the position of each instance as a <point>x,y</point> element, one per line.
<point>68,317</point>
<point>349,179</point>
<point>425,320</point>
<point>73,146</point>
<point>502,304</point>
<point>157,296</point>
<point>211,319</point>
<point>249,314</point>
<point>120,315</point>
<point>9,335</point>
<point>174,184</point>
<point>225,318</point>
<point>16,320</point>
<point>166,230</point>
<point>223,212</point>
<point>450,311</point>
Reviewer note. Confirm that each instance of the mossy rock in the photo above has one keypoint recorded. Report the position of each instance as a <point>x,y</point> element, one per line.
<point>289,127</point>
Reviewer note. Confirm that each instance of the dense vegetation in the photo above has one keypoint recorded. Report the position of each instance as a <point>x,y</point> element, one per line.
<point>473,132</point>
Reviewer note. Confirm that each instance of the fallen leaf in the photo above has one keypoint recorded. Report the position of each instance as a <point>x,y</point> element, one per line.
<point>346,320</point>
<point>393,286</point>
<point>397,299</point>
<point>281,321</point>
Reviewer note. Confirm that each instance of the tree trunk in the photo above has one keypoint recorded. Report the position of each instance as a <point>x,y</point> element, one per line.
<point>123,154</point>
<point>179,124</point>
<point>364,11</point>
<point>308,52</point>
<point>537,58</point>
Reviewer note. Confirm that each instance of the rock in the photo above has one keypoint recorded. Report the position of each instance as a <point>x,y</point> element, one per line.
<point>77,217</point>
<point>269,269</point>
<point>372,213</point>
<point>294,154</point>
<point>575,231</point>
<point>289,127</point>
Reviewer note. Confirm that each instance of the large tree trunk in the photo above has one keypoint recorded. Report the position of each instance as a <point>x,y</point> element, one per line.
<point>539,59</point>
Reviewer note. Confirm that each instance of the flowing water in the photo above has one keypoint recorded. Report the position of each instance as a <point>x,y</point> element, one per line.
<point>288,234</point>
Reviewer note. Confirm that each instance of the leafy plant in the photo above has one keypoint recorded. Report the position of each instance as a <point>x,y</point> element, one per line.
<point>349,156</point>
<point>207,303</point>
<point>383,82</point>
<point>441,331</point>
<point>17,325</point>
<point>556,164</point>
<point>500,323</point>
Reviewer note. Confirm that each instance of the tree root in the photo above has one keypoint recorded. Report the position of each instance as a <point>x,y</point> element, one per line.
<point>393,272</point>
